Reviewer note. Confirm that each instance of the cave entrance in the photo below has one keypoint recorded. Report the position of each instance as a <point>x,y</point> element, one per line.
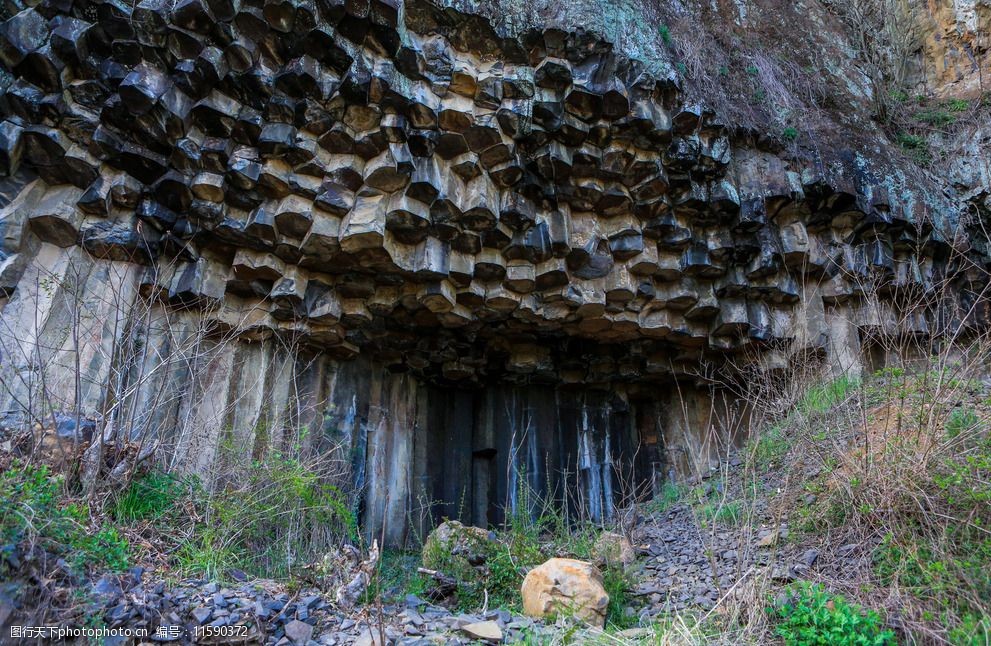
<point>481,453</point>
<point>486,453</point>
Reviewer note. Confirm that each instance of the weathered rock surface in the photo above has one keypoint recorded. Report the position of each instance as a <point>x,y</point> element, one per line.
<point>349,176</point>
<point>565,587</point>
<point>952,38</point>
<point>487,631</point>
<point>451,539</point>
<point>467,197</point>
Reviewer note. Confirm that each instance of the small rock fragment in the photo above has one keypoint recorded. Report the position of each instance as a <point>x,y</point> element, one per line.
<point>484,630</point>
<point>299,632</point>
<point>202,614</point>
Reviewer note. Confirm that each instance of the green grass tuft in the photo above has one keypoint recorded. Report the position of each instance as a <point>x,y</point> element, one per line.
<point>770,446</point>
<point>669,496</point>
<point>617,583</point>
<point>821,398</point>
<point>278,515</point>
<point>397,576</point>
<point>726,513</point>
<point>665,34</point>
<point>149,497</point>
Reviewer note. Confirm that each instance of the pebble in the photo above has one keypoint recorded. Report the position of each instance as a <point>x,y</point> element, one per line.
<point>237,575</point>
<point>485,630</point>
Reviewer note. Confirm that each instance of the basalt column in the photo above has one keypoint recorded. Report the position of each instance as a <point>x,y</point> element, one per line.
<point>488,249</point>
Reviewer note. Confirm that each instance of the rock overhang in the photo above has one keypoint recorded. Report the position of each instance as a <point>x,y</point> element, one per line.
<point>471,193</point>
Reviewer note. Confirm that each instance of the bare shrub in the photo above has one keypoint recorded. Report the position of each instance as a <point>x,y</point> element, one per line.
<point>881,32</point>
<point>135,367</point>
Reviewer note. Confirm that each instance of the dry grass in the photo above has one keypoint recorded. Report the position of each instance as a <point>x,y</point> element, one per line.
<point>902,469</point>
<point>754,72</point>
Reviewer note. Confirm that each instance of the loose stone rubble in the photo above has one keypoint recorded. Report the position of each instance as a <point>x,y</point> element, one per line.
<point>273,615</point>
<point>689,563</point>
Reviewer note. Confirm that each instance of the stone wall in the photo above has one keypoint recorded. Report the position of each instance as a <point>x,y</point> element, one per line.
<point>468,245</point>
<point>418,452</point>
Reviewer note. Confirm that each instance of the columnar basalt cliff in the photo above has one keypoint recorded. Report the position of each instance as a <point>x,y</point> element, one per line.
<point>474,242</point>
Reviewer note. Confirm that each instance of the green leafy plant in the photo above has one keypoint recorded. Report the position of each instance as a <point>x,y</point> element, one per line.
<point>957,105</point>
<point>789,134</point>
<point>960,420</point>
<point>916,146</point>
<point>911,142</point>
<point>811,616</point>
<point>973,630</point>
<point>106,547</point>
<point>34,510</point>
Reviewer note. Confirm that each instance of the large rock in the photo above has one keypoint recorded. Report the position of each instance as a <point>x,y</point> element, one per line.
<point>566,586</point>
<point>457,545</point>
